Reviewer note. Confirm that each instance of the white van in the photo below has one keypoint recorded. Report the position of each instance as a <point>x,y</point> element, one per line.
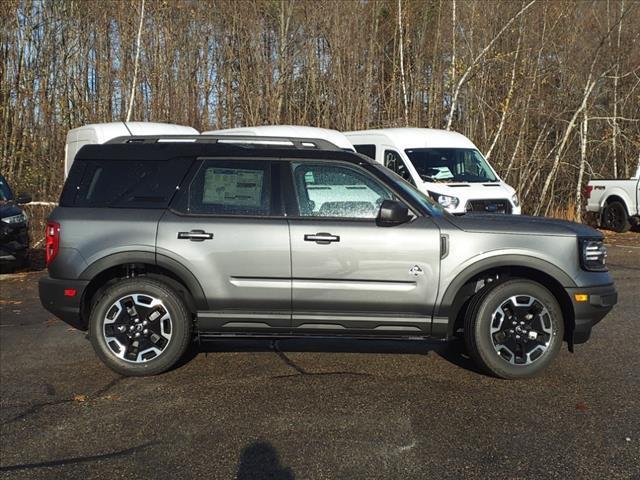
<point>445,165</point>
<point>103,132</point>
<point>290,131</point>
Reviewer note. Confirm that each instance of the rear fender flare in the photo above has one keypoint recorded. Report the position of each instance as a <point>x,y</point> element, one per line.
<point>150,258</point>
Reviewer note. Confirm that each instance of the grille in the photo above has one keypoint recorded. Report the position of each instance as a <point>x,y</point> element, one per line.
<point>497,205</point>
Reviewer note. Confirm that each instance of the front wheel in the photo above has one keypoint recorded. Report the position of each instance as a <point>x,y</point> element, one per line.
<point>140,327</point>
<point>514,329</point>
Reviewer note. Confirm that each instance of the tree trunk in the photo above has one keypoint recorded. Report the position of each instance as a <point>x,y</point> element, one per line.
<point>136,62</point>
<point>583,162</point>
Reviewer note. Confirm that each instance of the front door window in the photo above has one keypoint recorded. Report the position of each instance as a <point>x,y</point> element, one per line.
<point>338,191</point>
<point>394,162</point>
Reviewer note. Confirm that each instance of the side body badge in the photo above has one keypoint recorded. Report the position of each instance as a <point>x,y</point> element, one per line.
<point>416,271</point>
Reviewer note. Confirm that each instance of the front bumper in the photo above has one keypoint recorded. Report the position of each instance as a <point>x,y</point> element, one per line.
<point>601,300</point>
<point>14,243</point>
<point>66,308</point>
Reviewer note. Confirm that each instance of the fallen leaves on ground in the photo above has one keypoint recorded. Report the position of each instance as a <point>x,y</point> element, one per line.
<point>19,277</point>
<point>582,407</point>
<point>10,302</point>
<point>112,397</point>
<point>630,238</point>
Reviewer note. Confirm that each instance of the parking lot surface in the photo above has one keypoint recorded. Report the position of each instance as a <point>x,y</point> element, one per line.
<point>311,409</point>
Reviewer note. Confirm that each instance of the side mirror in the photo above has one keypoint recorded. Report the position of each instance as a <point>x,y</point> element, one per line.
<point>392,213</point>
<point>23,198</point>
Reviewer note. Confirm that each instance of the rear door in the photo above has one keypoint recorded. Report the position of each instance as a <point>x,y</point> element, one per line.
<point>348,272</point>
<point>228,229</point>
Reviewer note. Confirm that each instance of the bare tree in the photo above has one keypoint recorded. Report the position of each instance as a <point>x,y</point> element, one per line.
<point>402,74</point>
<point>474,63</point>
<point>135,63</point>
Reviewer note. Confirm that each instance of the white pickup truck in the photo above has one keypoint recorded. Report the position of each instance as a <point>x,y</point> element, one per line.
<point>615,202</point>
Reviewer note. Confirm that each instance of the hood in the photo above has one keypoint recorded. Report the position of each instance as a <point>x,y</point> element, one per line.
<point>9,210</point>
<point>522,225</point>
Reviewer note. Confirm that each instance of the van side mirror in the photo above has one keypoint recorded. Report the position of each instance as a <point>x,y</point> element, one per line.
<point>23,198</point>
<point>392,213</point>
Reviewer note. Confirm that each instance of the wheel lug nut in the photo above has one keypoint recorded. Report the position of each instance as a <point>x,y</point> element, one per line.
<point>145,331</point>
<point>137,334</point>
<point>517,337</point>
<point>145,322</point>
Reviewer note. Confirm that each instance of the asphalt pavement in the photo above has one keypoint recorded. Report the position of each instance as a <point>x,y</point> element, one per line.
<point>314,409</point>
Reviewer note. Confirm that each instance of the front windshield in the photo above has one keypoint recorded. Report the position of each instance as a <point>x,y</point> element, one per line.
<point>5,191</point>
<point>448,165</point>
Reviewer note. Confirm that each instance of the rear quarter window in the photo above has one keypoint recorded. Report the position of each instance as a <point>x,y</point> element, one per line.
<point>123,183</point>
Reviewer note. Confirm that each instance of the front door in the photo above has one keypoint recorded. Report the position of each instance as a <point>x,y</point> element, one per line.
<point>228,230</point>
<point>348,273</point>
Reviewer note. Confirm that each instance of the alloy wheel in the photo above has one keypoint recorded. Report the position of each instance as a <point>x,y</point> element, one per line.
<point>137,328</point>
<point>521,329</point>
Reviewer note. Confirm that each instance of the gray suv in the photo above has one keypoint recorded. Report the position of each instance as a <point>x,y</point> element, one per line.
<point>160,241</point>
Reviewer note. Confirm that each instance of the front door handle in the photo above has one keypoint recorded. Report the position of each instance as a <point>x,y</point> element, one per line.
<point>321,238</point>
<point>195,235</point>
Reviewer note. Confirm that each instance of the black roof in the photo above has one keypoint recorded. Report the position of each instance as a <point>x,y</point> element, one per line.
<point>168,150</point>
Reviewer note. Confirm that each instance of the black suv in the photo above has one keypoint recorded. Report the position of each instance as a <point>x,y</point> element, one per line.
<point>160,240</point>
<point>14,235</point>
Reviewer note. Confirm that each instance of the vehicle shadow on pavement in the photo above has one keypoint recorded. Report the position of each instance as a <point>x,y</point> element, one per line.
<point>261,460</point>
<point>454,352</point>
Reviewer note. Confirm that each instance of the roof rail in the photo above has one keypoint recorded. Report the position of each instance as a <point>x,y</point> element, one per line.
<point>276,142</point>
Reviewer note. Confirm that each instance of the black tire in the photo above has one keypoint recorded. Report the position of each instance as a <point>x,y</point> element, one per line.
<point>174,316</point>
<point>532,353</point>
<point>614,217</point>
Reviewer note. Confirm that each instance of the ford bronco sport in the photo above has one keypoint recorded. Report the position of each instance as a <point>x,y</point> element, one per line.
<point>160,240</point>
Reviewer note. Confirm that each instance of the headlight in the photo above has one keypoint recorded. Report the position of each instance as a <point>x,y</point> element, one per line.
<point>445,200</point>
<point>593,255</point>
<point>515,200</point>
<point>20,218</point>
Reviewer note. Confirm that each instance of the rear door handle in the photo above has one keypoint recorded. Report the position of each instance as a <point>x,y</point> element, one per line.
<point>321,238</point>
<point>195,235</point>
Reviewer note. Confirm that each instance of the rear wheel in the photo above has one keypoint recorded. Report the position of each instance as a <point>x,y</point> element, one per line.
<point>514,329</point>
<point>614,217</point>
<point>140,327</point>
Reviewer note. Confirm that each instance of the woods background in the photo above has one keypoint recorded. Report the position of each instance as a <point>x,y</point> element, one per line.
<point>548,90</point>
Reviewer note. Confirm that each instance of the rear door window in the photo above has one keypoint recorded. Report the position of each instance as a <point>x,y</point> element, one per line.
<point>230,187</point>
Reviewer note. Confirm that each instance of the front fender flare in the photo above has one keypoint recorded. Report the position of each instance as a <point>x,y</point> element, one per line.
<point>446,305</point>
